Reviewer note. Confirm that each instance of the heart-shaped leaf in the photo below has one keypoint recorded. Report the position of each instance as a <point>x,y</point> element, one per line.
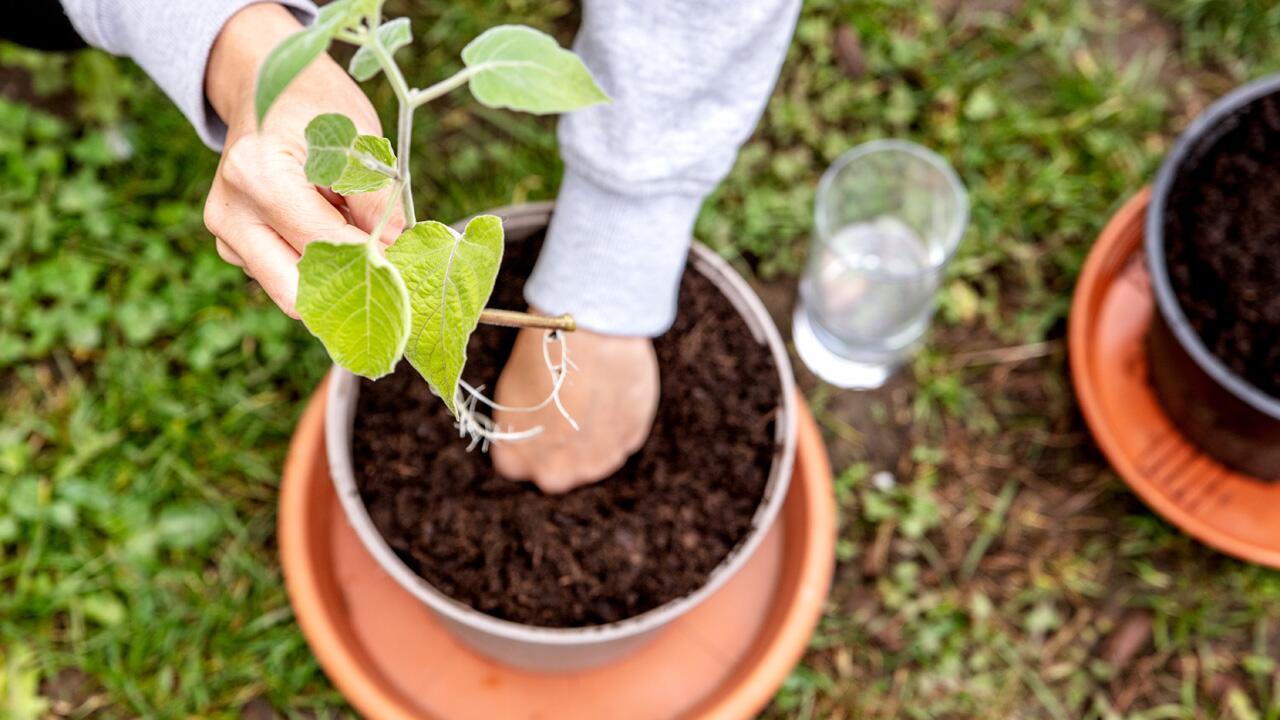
<point>337,157</point>
<point>450,277</point>
<point>392,35</point>
<point>517,67</point>
<point>356,303</point>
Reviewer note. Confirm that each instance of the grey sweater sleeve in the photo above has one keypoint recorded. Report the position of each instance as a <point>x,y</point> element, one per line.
<point>689,80</point>
<point>170,40</point>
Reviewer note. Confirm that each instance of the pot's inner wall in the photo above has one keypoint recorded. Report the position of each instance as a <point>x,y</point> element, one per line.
<point>647,535</point>
<point>1222,241</point>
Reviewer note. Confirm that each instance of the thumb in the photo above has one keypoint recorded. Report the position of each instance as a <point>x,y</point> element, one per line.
<point>367,209</point>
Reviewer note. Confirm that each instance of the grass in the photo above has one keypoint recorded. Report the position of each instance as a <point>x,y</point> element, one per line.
<point>147,391</point>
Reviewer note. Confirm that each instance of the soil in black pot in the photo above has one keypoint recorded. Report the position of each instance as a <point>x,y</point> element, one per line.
<point>649,534</point>
<point>1222,240</point>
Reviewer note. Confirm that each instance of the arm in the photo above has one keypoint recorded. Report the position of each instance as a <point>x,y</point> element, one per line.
<point>171,41</point>
<point>205,55</point>
<point>689,81</point>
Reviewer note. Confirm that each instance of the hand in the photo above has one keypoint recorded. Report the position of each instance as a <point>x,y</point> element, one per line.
<point>261,208</point>
<point>612,395</point>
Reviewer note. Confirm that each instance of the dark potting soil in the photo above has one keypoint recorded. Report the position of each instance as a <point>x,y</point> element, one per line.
<point>1222,243</point>
<point>650,533</point>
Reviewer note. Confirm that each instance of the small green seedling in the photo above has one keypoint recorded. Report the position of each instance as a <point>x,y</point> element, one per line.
<point>425,297</point>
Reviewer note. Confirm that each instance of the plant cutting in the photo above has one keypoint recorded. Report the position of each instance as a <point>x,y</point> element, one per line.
<point>535,580</point>
<point>571,581</point>
<point>424,299</point>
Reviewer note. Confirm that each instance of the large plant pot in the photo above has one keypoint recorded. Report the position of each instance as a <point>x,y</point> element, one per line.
<point>392,658</point>
<point>541,648</point>
<point>1109,325</point>
<point>1222,413</point>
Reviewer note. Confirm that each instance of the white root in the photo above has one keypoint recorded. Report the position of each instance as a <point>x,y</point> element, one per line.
<point>483,430</point>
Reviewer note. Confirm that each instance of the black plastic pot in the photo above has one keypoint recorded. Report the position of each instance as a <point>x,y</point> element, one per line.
<point>1221,412</point>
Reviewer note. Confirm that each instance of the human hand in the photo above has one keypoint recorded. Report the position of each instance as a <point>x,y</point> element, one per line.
<point>261,209</point>
<point>612,394</point>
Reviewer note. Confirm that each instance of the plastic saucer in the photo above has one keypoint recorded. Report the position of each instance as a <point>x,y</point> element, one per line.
<point>391,658</point>
<point>1110,314</point>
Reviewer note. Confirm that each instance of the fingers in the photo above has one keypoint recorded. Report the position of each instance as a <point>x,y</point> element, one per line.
<point>300,214</point>
<point>558,470</point>
<point>263,213</point>
<point>508,461</point>
<point>553,471</point>
<point>367,208</point>
<point>267,258</point>
<point>226,253</point>
<point>265,180</point>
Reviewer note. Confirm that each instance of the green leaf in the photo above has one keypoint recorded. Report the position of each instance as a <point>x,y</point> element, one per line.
<point>285,62</point>
<point>358,177</point>
<point>356,303</point>
<point>450,277</point>
<point>335,152</point>
<point>343,14</point>
<point>329,140</point>
<point>517,67</point>
<point>298,50</point>
<point>392,35</point>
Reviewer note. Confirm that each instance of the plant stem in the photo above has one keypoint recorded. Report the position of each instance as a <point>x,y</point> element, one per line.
<point>418,98</point>
<point>404,126</point>
<point>409,100</point>
<point>404,131</point>
<point>512,318</point>
<point>375,164</point>
<point>355,38</point>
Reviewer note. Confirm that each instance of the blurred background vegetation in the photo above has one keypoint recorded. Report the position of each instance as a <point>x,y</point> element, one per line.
<point>148,391</point>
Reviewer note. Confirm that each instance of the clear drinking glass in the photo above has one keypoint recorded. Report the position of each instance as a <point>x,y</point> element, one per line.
<point>888,217</point>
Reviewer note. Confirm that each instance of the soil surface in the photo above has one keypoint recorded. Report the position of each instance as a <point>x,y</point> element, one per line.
<point>648,534</point>
<point>1222,230</point>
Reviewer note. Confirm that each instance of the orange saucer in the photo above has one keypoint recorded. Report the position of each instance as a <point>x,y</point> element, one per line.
<point>391,658</point>
<point>1110,313</point>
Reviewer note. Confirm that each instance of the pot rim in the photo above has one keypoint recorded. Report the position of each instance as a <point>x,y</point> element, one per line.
<point>1166,300</point>
<point>916,151</point>
<point>340,410</point>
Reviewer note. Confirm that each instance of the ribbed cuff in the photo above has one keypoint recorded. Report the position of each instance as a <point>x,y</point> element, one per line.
<point>612,260</point>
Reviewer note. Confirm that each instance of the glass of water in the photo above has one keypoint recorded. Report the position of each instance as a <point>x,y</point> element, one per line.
<point>888,217</point>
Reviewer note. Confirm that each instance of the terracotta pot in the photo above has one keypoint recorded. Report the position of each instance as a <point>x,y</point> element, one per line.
<point>1111,315</point>
<point>1221,412</point>
<point>541,648</point>
<point>392,658</point>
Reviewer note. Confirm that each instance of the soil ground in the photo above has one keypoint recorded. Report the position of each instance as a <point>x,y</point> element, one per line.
<point>650,533</point>
<point>1222,244</point>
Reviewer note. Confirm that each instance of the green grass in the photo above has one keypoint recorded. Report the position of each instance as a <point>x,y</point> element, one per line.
<point>147,391</point>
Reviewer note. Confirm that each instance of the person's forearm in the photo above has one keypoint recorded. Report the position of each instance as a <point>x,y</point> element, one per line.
<point>172,41</point>
<point>244,42</point>
<point>689,81</point>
